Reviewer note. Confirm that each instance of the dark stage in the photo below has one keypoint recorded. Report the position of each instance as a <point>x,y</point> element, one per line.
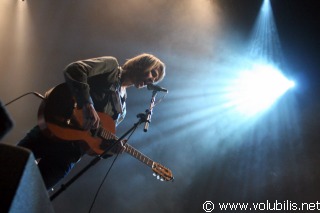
<point>268,161</point>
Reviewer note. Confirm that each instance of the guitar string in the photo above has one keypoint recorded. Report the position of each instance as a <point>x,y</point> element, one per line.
<point>142,157</point>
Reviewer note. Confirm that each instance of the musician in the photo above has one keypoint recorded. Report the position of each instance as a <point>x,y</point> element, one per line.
<point>98,85</point>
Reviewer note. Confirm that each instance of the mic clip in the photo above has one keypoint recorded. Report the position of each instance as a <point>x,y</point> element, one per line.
<point>143,117</point>
<point>147,120</point>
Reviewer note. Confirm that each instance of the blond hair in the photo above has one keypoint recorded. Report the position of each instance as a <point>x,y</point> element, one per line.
<point>145,63</point>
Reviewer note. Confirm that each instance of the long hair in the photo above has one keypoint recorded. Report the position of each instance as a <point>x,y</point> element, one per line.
<point>144,63</point>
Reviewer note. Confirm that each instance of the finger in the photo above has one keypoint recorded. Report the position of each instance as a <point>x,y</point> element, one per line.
<point>96,124</point>
<point>122,147</point>
<point>95,121</point>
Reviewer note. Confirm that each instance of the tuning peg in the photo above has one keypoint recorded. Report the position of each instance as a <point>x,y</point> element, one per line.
<point>158,176</point>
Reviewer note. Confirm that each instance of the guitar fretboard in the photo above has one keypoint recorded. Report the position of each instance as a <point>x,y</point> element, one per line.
<point>107,135</point>
<point>138,155</point>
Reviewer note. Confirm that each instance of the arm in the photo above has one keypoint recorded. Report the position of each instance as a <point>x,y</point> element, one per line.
<point>76,76</point>
<point>77,73</point>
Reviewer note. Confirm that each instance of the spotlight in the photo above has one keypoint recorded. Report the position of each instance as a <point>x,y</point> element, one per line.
<point>266,6</point>
<point>258,88</point>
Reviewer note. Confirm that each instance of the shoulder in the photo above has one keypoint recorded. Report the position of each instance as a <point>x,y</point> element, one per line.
<point>103,61</point>
<point>106,59</point>
<point>101,64</point>
<point>110,60</point>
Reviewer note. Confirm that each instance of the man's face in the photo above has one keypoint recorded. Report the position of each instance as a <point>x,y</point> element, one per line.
<point>147,78</point>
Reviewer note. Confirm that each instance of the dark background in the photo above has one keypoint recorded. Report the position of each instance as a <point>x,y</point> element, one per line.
<point>212,155</point>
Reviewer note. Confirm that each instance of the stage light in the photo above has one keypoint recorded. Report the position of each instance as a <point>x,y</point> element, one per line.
<point>266,7</point>
<point>257,88</point>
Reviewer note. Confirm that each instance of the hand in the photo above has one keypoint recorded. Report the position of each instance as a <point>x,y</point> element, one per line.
<point>91,119</point>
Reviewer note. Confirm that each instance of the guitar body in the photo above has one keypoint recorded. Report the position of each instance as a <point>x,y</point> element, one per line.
<point>59,118</point>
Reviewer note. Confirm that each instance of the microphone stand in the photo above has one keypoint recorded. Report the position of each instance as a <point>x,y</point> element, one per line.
<point>143,118</point>
<point>150,111</point>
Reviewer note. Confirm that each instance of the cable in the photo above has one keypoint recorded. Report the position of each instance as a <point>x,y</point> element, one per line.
<point>106,175</point>
<point>34,93</point>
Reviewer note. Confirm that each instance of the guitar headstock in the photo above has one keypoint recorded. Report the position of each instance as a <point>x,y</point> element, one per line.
<point>161,172</point>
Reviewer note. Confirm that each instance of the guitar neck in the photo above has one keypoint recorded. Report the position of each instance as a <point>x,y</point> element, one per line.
<point>129,149</point>
<point>138,155</point>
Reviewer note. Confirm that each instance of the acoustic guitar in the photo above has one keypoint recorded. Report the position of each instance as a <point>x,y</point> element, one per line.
<point>59,118</point>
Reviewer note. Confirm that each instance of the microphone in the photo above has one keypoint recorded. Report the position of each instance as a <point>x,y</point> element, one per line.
<point>156,88</point>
